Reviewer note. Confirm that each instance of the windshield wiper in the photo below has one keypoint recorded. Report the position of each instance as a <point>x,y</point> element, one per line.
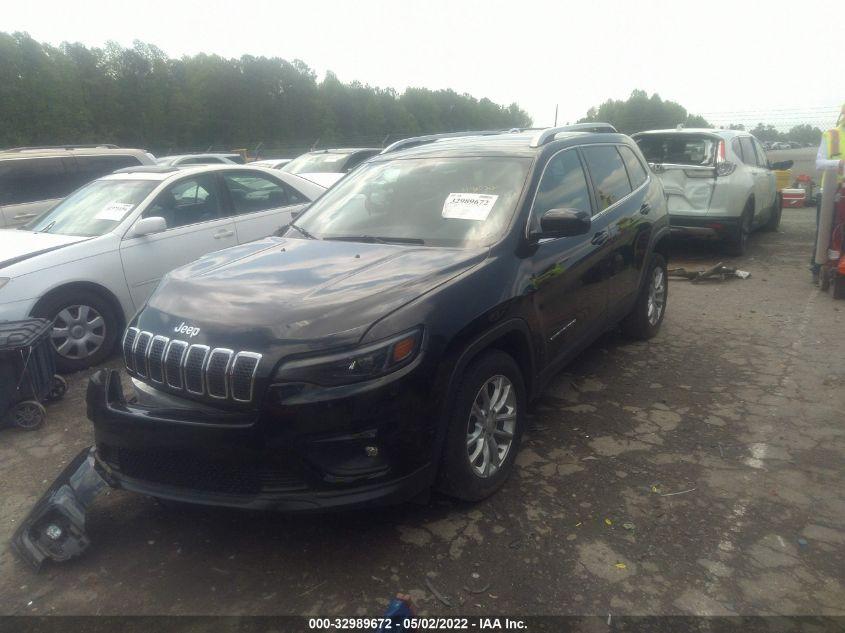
<point>375,239</point>
<point>304,233</point>
<point>47,228</point>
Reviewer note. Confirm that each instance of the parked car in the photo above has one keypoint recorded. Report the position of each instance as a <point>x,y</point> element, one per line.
<point>198,159</point>
<point>719,183</point>
<point>33,179</point>
<point>327,166</point>
<point>91,262</point>
<point>780,145</point>
<point>270,163</point>
<point>392,337</point>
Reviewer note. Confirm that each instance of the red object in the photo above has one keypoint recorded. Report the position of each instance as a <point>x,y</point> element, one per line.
<point>793,198</point>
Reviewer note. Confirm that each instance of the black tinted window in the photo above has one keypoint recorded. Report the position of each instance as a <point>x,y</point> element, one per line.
<point>563,186</point>
<point>33,179</point>
<point>188,201</point>
<point>92,167</point>
<point>636,171</point>
<point>255,192</point>
<point>608,172</point>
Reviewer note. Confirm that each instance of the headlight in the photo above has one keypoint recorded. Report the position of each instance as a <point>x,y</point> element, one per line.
<point>364,363</point>
<point>4,281</point>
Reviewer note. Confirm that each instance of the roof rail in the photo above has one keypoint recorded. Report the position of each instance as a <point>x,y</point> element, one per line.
<point>549,134</point>
<point>430,138</point>
<point>40,147</point>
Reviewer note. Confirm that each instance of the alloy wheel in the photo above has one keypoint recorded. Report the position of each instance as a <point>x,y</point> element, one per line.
<point>656,295</point>
<point>491,426</point>
<point>78,332</point>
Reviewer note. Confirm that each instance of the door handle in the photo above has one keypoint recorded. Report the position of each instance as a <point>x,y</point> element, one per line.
<point>599,238</point>
<point>223,233</point>
<point>25,216</point>
<point>645,208</point>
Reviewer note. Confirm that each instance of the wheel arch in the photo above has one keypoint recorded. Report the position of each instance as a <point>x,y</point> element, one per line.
<point>88,286</point>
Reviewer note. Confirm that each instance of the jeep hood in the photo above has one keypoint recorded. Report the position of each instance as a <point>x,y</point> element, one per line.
<point>285,290</point>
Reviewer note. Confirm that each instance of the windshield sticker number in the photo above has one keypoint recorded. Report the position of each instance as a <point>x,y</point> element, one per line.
<point>468,206</point>
<point>114,211</point>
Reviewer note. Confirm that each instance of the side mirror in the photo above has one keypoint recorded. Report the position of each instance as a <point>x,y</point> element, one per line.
<point>148,226</point>
<point>784,164</point>
<point>564,223</point>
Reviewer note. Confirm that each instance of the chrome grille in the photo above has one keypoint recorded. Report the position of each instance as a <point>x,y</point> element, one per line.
<point>218,373</point>
<point>128,345</point>
<point>139,353</point>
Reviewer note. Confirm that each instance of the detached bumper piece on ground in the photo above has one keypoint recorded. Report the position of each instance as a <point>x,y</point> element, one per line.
<point>27,373</point>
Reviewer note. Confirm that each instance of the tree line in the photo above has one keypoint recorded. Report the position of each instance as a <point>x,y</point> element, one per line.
<point>642,112</point>
<point>139,96</point>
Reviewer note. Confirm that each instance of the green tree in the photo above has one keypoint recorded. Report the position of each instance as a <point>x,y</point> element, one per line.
<point>640,112</point>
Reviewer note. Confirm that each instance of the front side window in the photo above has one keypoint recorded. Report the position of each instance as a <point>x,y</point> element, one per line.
<point>609,176</point>
<point>563,186</point>
<point>95,209</point>
<point>636,172</point>
<point>457,202</point>
<point>252,192</point>
<point>188,201</point>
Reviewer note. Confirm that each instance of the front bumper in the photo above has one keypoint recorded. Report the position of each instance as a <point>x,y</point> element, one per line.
<point>708,227</point>
<point>371,448</point>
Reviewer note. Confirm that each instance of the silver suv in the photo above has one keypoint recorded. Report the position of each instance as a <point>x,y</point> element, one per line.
<point>719,183</point>
<point>34,179</point>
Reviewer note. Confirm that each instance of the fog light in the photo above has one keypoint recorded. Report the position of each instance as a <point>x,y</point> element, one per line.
<point>372,451</point>
<point>53,532</point>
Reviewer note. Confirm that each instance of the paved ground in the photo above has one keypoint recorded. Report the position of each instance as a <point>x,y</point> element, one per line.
<point>701,472</point>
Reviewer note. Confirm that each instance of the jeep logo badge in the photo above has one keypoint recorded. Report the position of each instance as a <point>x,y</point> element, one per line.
<point>188,330</point>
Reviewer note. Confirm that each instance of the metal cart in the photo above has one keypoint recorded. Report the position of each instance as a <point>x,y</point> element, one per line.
<point>27,373</point>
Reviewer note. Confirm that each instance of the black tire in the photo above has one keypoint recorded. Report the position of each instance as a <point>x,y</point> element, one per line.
<point>837,285</point>
<point>773,222</point>
<point>457,477</point>
<point>639,323</point>
<point>58,389</point>
<point>738,242</point>
<point>824,278</point>
<point>54,304</point>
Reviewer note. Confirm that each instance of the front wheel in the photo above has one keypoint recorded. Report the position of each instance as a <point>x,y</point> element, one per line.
<point>644,321</point>
<point>28,415</point>
<point>485,428</point>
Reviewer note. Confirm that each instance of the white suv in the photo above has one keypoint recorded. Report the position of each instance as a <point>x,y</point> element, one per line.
<point>718,183</point>
<point>91,262</point>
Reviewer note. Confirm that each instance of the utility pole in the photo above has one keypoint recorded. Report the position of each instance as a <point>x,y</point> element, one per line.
<point>555,125</point>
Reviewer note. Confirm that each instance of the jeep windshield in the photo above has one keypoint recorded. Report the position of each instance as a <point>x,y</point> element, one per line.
<point>433,201</point>
<point>679,149</point>
<point>95,209</point>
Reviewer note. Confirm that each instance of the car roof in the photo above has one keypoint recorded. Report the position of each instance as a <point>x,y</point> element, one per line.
<point>200,154</point>
<point>162,172</point>
<point>49,152</point>
<point>344,150</point>
<point>517,143</point>
<point>698,130</point>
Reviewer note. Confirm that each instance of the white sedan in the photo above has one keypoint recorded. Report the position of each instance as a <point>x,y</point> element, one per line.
<point>91,262</point>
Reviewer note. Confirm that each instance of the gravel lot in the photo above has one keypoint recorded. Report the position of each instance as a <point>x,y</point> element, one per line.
<point>701,472</point>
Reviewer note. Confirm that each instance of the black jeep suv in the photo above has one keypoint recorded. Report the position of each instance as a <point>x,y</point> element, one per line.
<point>392,337</point>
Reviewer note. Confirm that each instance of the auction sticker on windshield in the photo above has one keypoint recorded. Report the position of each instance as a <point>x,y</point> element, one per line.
<point>468,206</point>
<point>114,211</point>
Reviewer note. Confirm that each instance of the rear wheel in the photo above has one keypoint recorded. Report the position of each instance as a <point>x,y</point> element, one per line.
<point>84,328</point>
<point>643,322</point>
<point>485,428</point>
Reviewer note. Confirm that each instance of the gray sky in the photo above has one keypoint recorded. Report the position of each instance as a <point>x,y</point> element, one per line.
<point>741,60</point>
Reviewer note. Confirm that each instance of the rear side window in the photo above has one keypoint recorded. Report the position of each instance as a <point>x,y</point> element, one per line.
<point>749,156</point>
<point>636,172</point>
<point>252,192</point>
<point>34,179</point>
<point>563,186</point>
<point>609,176</point>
